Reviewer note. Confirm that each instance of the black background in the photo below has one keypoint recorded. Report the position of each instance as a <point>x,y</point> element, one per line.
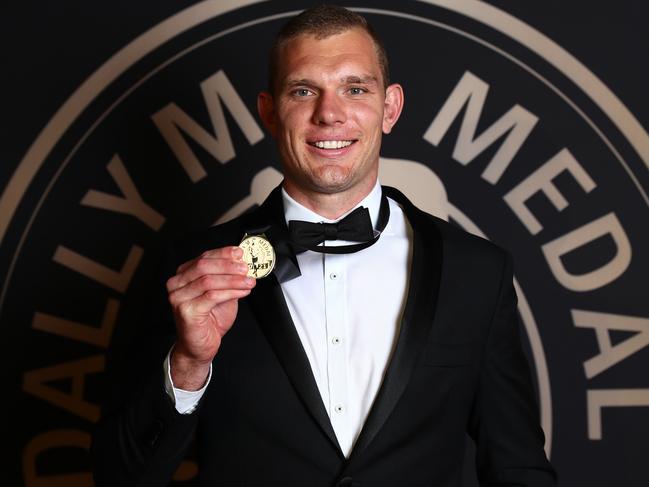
<point>49,48</point>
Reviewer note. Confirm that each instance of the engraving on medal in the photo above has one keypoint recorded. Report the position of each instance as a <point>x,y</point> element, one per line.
<point>259,254</point>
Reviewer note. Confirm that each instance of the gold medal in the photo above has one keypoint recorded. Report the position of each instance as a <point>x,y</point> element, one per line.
<point>259,254</point>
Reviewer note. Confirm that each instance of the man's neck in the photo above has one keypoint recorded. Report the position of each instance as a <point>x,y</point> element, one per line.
<point>329,205</point>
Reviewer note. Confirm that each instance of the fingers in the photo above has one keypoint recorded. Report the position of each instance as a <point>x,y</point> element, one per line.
<point>204,294</point>
<point>227,253</point>
<point>226,260</point>
<point>217,286</point>
<point>209,299</point>
<point>206,267</point>
<point>213,278</point>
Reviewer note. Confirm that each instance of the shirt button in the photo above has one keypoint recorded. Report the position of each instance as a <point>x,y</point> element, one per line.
<point>336,340</point>
<point>339,408</point>
<point>333,276</point>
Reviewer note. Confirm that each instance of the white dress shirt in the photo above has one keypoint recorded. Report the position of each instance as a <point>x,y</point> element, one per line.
<point>346,309</point>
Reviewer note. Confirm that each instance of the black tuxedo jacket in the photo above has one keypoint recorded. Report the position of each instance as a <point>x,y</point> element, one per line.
<point>457,368</point>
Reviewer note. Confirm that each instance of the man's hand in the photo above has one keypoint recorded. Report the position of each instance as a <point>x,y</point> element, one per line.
<point>204,296</point>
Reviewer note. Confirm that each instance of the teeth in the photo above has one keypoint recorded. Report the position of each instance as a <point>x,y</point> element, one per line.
<point>332,144</point>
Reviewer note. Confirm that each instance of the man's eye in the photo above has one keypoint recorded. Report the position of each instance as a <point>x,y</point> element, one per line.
<point>356,90</point>
<point>302,92</point>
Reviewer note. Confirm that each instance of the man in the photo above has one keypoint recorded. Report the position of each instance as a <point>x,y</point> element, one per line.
<point>361,360</point>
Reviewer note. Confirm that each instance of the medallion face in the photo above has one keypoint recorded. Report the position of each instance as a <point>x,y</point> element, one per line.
<point>259,254</point>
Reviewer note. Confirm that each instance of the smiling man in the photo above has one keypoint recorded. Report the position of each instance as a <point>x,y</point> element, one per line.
<point>329,107</point>
<point>380,338</point>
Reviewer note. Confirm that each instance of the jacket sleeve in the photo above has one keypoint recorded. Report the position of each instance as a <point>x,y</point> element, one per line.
<point>143,443</point>
<point>504,421</point>
<point>141,438</point>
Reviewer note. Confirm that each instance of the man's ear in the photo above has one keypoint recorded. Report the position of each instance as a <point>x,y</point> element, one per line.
<point>266,110</point>
<point>393,106</point>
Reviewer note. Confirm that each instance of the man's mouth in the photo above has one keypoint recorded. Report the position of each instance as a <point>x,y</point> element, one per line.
<point>331,144</point>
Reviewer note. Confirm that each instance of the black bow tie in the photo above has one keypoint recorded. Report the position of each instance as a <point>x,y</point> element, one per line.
<point>355,227</point>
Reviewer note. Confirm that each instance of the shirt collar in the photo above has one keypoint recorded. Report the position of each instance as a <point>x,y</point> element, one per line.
<point>295,211</point>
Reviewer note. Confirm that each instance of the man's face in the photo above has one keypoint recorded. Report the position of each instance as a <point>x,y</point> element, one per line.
<point>329,112</point>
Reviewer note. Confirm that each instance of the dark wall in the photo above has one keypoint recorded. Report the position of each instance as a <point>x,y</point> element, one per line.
<point>503,100</point>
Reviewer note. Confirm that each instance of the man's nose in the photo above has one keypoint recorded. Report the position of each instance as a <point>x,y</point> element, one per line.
<point>329,109</point>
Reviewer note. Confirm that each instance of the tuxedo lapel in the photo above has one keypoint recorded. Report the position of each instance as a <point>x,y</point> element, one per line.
<point>416,322</point>
<point>269,306</point>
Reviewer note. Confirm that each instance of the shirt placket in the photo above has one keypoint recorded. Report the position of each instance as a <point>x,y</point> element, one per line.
<point>336,329</point>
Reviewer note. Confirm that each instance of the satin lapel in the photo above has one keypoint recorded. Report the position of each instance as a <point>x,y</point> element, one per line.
<point>269,306</point>
<point>416,322</point>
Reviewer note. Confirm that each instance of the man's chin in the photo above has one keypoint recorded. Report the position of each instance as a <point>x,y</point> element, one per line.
<point>334,180</point>
<point>329,179</point>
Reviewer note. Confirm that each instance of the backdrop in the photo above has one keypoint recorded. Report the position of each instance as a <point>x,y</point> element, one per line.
<point>128,123</point>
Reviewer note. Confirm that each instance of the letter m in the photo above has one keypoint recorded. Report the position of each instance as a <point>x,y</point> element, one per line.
<point>171,120</point>
<point>515,125</point>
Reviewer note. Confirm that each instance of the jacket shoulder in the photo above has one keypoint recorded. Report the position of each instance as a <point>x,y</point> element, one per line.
<point>456,242</point>
<point>465,241</point>
<point>465,249</point>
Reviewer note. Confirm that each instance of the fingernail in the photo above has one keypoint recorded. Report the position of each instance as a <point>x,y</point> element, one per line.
<point>237,252</point>
<point>249,280</point>
<point>243,268</point>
